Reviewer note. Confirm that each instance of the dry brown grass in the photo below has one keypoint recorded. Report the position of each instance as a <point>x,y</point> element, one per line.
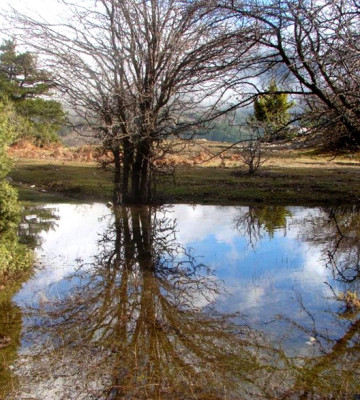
<point>27,150</point>
<point>196,153</point>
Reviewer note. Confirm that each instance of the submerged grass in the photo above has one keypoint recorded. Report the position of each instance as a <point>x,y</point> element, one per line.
<point>284,179</point>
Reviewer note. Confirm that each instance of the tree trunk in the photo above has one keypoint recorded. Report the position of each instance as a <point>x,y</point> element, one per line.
<point>117,193</point>
<point>127,167</point>
<point>351,139</point>
<point>140,184</point>
<point>135,177</point>
<point>145,181</point>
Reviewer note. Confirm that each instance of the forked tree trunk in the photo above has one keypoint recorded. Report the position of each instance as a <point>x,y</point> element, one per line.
<point>141,173</point>
<point>135,170</point>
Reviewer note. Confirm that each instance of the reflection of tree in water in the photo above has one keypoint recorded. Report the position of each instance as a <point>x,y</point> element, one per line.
<point>143,312</point>
<point>330,366</point>
<point>10,330</point>
<point>42,219</point>
<point>334,370</point>
<point>258,220</point>
<point>336,230</point>
<point>344,251</point>
<point>35,220</point>
<point>140,325</point>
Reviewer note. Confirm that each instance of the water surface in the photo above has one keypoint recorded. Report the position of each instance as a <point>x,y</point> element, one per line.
<point>183,302</point>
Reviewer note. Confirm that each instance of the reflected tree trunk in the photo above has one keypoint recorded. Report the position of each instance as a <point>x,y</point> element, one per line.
<point>144,313</point>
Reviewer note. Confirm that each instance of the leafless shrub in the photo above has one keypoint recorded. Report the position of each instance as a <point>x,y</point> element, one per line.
<point>252,153</point>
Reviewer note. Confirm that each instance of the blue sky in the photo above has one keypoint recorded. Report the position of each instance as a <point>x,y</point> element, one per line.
<point>272,269</point>
<point>261,282</point>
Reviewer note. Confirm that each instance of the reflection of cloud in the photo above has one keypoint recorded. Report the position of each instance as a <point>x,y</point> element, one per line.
<point>77,231</point>
<point>246,295</point>
<point>250,296</point>
<point>253,277</point>
<point>264,293</point>
<point>74,238</point>
<point>194,223</point>
<point>313,270</point>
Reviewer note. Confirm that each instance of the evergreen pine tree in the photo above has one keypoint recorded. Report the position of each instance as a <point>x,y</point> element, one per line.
<point>272,111</point>
<point>25,85</point>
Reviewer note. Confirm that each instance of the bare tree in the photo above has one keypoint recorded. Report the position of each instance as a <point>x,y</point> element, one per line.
<point>139,72</point>
<point>314,47</point>
<point>252,152</point>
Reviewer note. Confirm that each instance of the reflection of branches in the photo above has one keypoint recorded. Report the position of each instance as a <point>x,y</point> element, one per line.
<point>143,311</point>
<point>344,254</point>
<point>249,226</point>
<point>338,231</point>
<point>332,371</point>
<point>139,323</point>
<point>10,329</point>
<point>260,219</point>
<point>35,220</point>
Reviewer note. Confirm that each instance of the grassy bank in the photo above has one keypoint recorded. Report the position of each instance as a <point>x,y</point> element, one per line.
<point>55,181</point>
<point>273,185</point>
<point>287,178</point>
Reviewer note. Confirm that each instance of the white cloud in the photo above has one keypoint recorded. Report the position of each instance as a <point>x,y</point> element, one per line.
<point>47,9</point>
<point>73,238</point>
<point>194,223</point>
<point>249,280</point>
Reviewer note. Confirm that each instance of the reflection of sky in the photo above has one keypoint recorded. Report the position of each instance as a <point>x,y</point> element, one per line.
<point>73,240</point>
<point>260,281</point>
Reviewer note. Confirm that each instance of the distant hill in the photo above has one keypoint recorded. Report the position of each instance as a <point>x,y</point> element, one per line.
<point>228,129</point>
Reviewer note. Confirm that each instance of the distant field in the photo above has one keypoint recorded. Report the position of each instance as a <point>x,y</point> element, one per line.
<point>288,176</point>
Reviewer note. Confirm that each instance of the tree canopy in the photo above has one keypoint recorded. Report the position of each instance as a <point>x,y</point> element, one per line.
<point>136,71</point>
<point>272,110</point>
<point>141,72</point>
<point>313,48</point>
<point>27,86</point>
<point>13,256</point>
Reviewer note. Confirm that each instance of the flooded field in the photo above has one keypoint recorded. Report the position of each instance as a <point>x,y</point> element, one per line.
<point>186,302</point>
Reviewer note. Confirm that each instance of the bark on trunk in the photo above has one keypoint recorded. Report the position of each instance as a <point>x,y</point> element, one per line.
<point>140,184</point>
<point>117,194</point>
<point>127,167</point>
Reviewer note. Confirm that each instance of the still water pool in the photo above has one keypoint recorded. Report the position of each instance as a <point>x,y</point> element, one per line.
<point>190,302</point>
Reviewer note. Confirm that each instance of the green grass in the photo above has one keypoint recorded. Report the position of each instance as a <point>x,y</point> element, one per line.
<point>206,185</point>
<point>56,182</point>
<point>270,186</point>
